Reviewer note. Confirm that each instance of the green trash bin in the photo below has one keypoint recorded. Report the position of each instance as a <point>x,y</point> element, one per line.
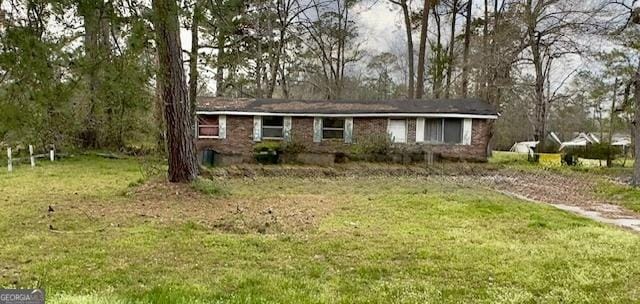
<point>208,157</point>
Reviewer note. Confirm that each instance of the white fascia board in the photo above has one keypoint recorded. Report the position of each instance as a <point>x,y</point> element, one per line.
<point>435,115</point>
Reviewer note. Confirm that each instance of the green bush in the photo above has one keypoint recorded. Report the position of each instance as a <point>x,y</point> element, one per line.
<point>293,147</point>
<point>268,146</point>
<point>372,144</point>
<point>267,152</point>
<point>599,151</point>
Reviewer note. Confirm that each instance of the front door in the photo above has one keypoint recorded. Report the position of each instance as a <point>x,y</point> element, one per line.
<point>398,130</point>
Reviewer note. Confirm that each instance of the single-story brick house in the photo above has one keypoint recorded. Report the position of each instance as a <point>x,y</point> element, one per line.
<point>229,128</point>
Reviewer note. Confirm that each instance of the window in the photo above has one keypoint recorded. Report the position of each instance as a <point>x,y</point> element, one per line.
<point>272,127</point>
<point>433,130</point>
<point>332,128</point>
<point>443,130</point>
<point>398,130</point>
<point>452,131</point>
<point>208,126</point>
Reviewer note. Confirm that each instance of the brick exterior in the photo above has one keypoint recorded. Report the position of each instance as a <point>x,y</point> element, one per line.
<point>411,131</point>
<point>476,151</point>
<point>239,138</point>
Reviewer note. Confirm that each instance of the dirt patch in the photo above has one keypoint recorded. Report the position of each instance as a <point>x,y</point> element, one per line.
<point>170,204</point>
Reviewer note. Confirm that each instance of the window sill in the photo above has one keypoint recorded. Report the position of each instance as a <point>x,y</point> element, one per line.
<point>273,138</point>
<point>208,137</point>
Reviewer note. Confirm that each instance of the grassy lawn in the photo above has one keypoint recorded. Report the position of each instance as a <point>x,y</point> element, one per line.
<point>625,196</point>
<point>293,240</point>
<point>504,157</point>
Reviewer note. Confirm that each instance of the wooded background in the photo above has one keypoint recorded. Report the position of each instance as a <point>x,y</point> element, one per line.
<point>83,73</point>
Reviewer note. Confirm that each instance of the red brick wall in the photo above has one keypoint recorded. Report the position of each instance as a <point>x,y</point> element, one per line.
<point>239,139</point>
<point>302,132</point>
<point>474,152</point>
<point>362,127</point>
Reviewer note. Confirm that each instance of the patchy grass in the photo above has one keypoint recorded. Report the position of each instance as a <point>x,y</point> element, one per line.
<point>508,158</point>
<point>208,187</point>
<point>617,163</point>
<point>292,240</point>
<point>626,196</point>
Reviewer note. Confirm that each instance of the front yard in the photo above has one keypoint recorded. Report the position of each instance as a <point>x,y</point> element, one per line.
<point>88,231</point>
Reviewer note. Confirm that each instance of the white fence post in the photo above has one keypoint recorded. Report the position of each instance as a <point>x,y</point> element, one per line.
<point>31,157</point>
<point>9,163</point>
<point>52,155</point>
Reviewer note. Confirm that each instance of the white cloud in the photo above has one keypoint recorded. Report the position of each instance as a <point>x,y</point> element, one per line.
<point>378,23</point>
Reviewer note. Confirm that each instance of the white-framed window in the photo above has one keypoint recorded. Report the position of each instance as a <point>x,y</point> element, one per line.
<point>208,126</point>
<point>332,128</point>
<point>273,127</point>
<point>443,130</point>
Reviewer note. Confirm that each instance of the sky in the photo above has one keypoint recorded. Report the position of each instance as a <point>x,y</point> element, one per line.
<point>378,24</point>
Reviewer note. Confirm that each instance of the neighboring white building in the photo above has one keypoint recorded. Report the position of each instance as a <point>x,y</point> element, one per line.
<point>581,140</point>
<point>524,147</point>
<point>621,140</point>
<point>529,146</point>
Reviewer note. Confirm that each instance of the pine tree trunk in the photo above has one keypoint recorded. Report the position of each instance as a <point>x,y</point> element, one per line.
<point>177,109</point>
<point>467,43</point>
<point>437,62</point>
<point>407,26</point>
<point>452,42</point>
<point>636,121</point>
<point>422,53</point>
<point>158,114</point>
<point>193,57</point>
<point>485,51</point>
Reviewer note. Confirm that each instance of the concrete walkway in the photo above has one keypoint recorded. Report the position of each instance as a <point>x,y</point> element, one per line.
<point>628,222</point>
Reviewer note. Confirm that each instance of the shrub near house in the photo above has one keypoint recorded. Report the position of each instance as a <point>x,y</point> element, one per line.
<point>232,129</point>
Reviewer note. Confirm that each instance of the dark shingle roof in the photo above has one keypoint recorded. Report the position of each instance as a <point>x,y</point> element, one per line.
<point>297,106</point>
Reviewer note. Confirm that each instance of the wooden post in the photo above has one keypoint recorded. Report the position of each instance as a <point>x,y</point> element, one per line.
<point>52,155</point>
<point>9,162</point>
<point>31,157</point>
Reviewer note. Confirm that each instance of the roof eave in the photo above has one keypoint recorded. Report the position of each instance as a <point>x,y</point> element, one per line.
<point>362,114</point>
